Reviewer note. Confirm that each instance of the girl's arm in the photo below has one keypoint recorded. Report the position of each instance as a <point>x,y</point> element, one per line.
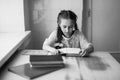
<point>88,50</point>
<point>86,46</point>
<point>51,49</point>
<point>49,43</point>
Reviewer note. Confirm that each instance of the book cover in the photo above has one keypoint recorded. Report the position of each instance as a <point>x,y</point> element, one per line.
<point>44,58</point>
<point>26,71</point>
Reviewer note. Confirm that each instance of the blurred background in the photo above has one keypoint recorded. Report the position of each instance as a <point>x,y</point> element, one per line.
<point>42,17</point>
<point>98,19</point>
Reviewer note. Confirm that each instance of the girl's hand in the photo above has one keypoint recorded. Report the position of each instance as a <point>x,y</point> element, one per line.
<point>58,45</point>
<point>84,52</point>
<point>55,52</point>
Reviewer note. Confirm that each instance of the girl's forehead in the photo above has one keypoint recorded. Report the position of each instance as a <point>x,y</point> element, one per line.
<point>66,20</point>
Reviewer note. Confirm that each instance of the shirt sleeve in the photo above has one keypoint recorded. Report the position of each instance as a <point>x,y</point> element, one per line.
<point>51,39</point>
<point>84,43</point>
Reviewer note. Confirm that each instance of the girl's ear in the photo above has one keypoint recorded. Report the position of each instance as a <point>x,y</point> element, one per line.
<point>73,28</point>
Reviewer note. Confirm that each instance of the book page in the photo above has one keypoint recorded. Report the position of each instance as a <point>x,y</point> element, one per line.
<point>35,52</point>
<point>70,50</point>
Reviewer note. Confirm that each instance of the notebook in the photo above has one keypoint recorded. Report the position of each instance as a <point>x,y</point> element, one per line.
<point>29,72</point>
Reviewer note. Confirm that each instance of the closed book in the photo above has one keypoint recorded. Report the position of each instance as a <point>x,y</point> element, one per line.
<point>46,60</point>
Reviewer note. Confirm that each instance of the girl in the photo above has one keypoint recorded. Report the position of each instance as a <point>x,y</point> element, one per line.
<point>67,35</point>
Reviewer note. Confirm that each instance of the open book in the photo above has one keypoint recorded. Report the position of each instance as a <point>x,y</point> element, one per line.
<point>70,51</point>
<point>35,52</point>
<point>64,51</point>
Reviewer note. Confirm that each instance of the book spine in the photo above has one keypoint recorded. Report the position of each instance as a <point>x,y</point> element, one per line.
<point>45,58</point>
<point>47,65</point>
<point>41,62</point>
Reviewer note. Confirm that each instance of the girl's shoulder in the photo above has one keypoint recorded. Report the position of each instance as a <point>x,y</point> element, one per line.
<point>54,32</point>
<point>77,32</point>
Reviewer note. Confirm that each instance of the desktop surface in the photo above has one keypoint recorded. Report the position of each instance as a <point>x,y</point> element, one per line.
<point>99,66</point>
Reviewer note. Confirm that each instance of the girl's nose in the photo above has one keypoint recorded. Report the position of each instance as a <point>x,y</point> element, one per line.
<point>66,30</point>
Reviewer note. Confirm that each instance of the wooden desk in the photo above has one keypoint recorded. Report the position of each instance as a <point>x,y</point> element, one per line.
<point>100,66</point>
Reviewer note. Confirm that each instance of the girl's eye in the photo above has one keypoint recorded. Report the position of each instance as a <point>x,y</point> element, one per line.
<point>64,26</point>
<point>70,26</point>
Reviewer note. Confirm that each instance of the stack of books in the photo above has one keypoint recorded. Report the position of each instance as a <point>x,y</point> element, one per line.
<point>41,62</point>
<point>46,61</point>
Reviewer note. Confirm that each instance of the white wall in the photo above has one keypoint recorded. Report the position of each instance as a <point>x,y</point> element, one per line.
<point>106,25</point>
<point>11,16</point>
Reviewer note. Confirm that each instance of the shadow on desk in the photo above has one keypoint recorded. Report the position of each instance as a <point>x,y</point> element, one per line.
<point>5,65</point>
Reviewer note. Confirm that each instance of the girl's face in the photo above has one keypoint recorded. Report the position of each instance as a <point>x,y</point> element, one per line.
<point>67,26</point>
